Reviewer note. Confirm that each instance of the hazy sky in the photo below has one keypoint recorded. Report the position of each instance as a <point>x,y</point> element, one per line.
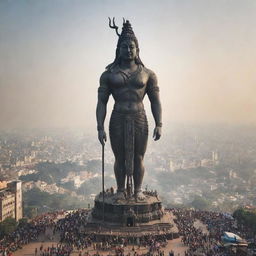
<point>52,53</point>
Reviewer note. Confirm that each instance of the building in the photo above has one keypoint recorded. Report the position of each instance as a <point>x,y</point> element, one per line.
<point>10,200</point>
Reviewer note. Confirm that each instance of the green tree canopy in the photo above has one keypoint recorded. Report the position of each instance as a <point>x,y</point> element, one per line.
<point>200,203</point>
<point>7,226</point>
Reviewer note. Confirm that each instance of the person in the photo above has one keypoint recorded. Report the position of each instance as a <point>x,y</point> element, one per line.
<point>128,81</point>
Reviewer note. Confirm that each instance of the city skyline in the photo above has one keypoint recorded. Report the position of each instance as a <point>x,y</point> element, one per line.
<point>53,52</point>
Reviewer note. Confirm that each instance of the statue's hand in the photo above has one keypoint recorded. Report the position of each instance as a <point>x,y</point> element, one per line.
<point>157,133</point>
<point>102,137</point>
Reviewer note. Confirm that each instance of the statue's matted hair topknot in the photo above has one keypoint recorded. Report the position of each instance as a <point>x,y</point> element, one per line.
<point>126,34</point>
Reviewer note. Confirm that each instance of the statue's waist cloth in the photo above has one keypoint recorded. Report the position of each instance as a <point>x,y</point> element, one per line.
<point>128,137</point>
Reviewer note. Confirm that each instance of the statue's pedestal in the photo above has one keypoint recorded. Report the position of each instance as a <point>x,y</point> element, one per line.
<point>128,212</point>
<point>130,217</point>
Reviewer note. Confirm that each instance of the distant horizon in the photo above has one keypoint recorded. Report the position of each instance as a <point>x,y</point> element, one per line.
<point>168,128</point>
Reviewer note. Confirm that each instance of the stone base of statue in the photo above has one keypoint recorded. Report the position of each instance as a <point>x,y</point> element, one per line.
<point>131,217</point>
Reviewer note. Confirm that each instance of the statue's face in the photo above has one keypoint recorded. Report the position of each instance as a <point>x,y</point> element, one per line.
<point>127,50</point>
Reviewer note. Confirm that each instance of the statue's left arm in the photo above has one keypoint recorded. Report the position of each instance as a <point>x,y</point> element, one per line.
<point>153,95</point>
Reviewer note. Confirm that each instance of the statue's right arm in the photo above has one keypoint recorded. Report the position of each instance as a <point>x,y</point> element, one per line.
<point>103,96</point>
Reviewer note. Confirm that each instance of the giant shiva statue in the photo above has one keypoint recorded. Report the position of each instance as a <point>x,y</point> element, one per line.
<point>128,81</point>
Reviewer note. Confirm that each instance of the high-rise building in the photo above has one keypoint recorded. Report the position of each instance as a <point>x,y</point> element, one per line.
<point>7,205</point>
<point>11,200</point>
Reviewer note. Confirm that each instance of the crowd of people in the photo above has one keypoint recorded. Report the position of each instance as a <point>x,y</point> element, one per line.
<point>217,223</point>
<point>72,232</point>
<point>27,233</point>
<point>54,250</point>
<point>71,227</point>
<point>208,241</point>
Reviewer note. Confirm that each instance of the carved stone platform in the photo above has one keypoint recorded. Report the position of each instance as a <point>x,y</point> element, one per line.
<point>128,212</point>
<point>130,217</point>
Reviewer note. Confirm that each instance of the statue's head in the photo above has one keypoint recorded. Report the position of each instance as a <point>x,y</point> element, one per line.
<point>127,45</point>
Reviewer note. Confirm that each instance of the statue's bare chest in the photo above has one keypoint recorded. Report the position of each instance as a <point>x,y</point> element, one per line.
<point>120,80</point>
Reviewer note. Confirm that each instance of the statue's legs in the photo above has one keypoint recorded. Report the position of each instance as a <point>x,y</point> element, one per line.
<point>141,138</point>
<point>116,133</point>
<point>119,170</point>
<point>138,173</point>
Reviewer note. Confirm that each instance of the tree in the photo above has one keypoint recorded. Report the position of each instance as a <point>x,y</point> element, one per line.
<point>70,185</point>
<point>200,203</point>
<point>7,226</point>
<point>94,166</point>
<point>23,222</point>
<point>246,217</point>
<point>30,211</point>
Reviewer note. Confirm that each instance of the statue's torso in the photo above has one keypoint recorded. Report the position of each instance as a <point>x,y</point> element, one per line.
<point>128,89</point>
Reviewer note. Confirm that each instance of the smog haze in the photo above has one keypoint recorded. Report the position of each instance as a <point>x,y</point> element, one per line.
<point>52,54</point>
